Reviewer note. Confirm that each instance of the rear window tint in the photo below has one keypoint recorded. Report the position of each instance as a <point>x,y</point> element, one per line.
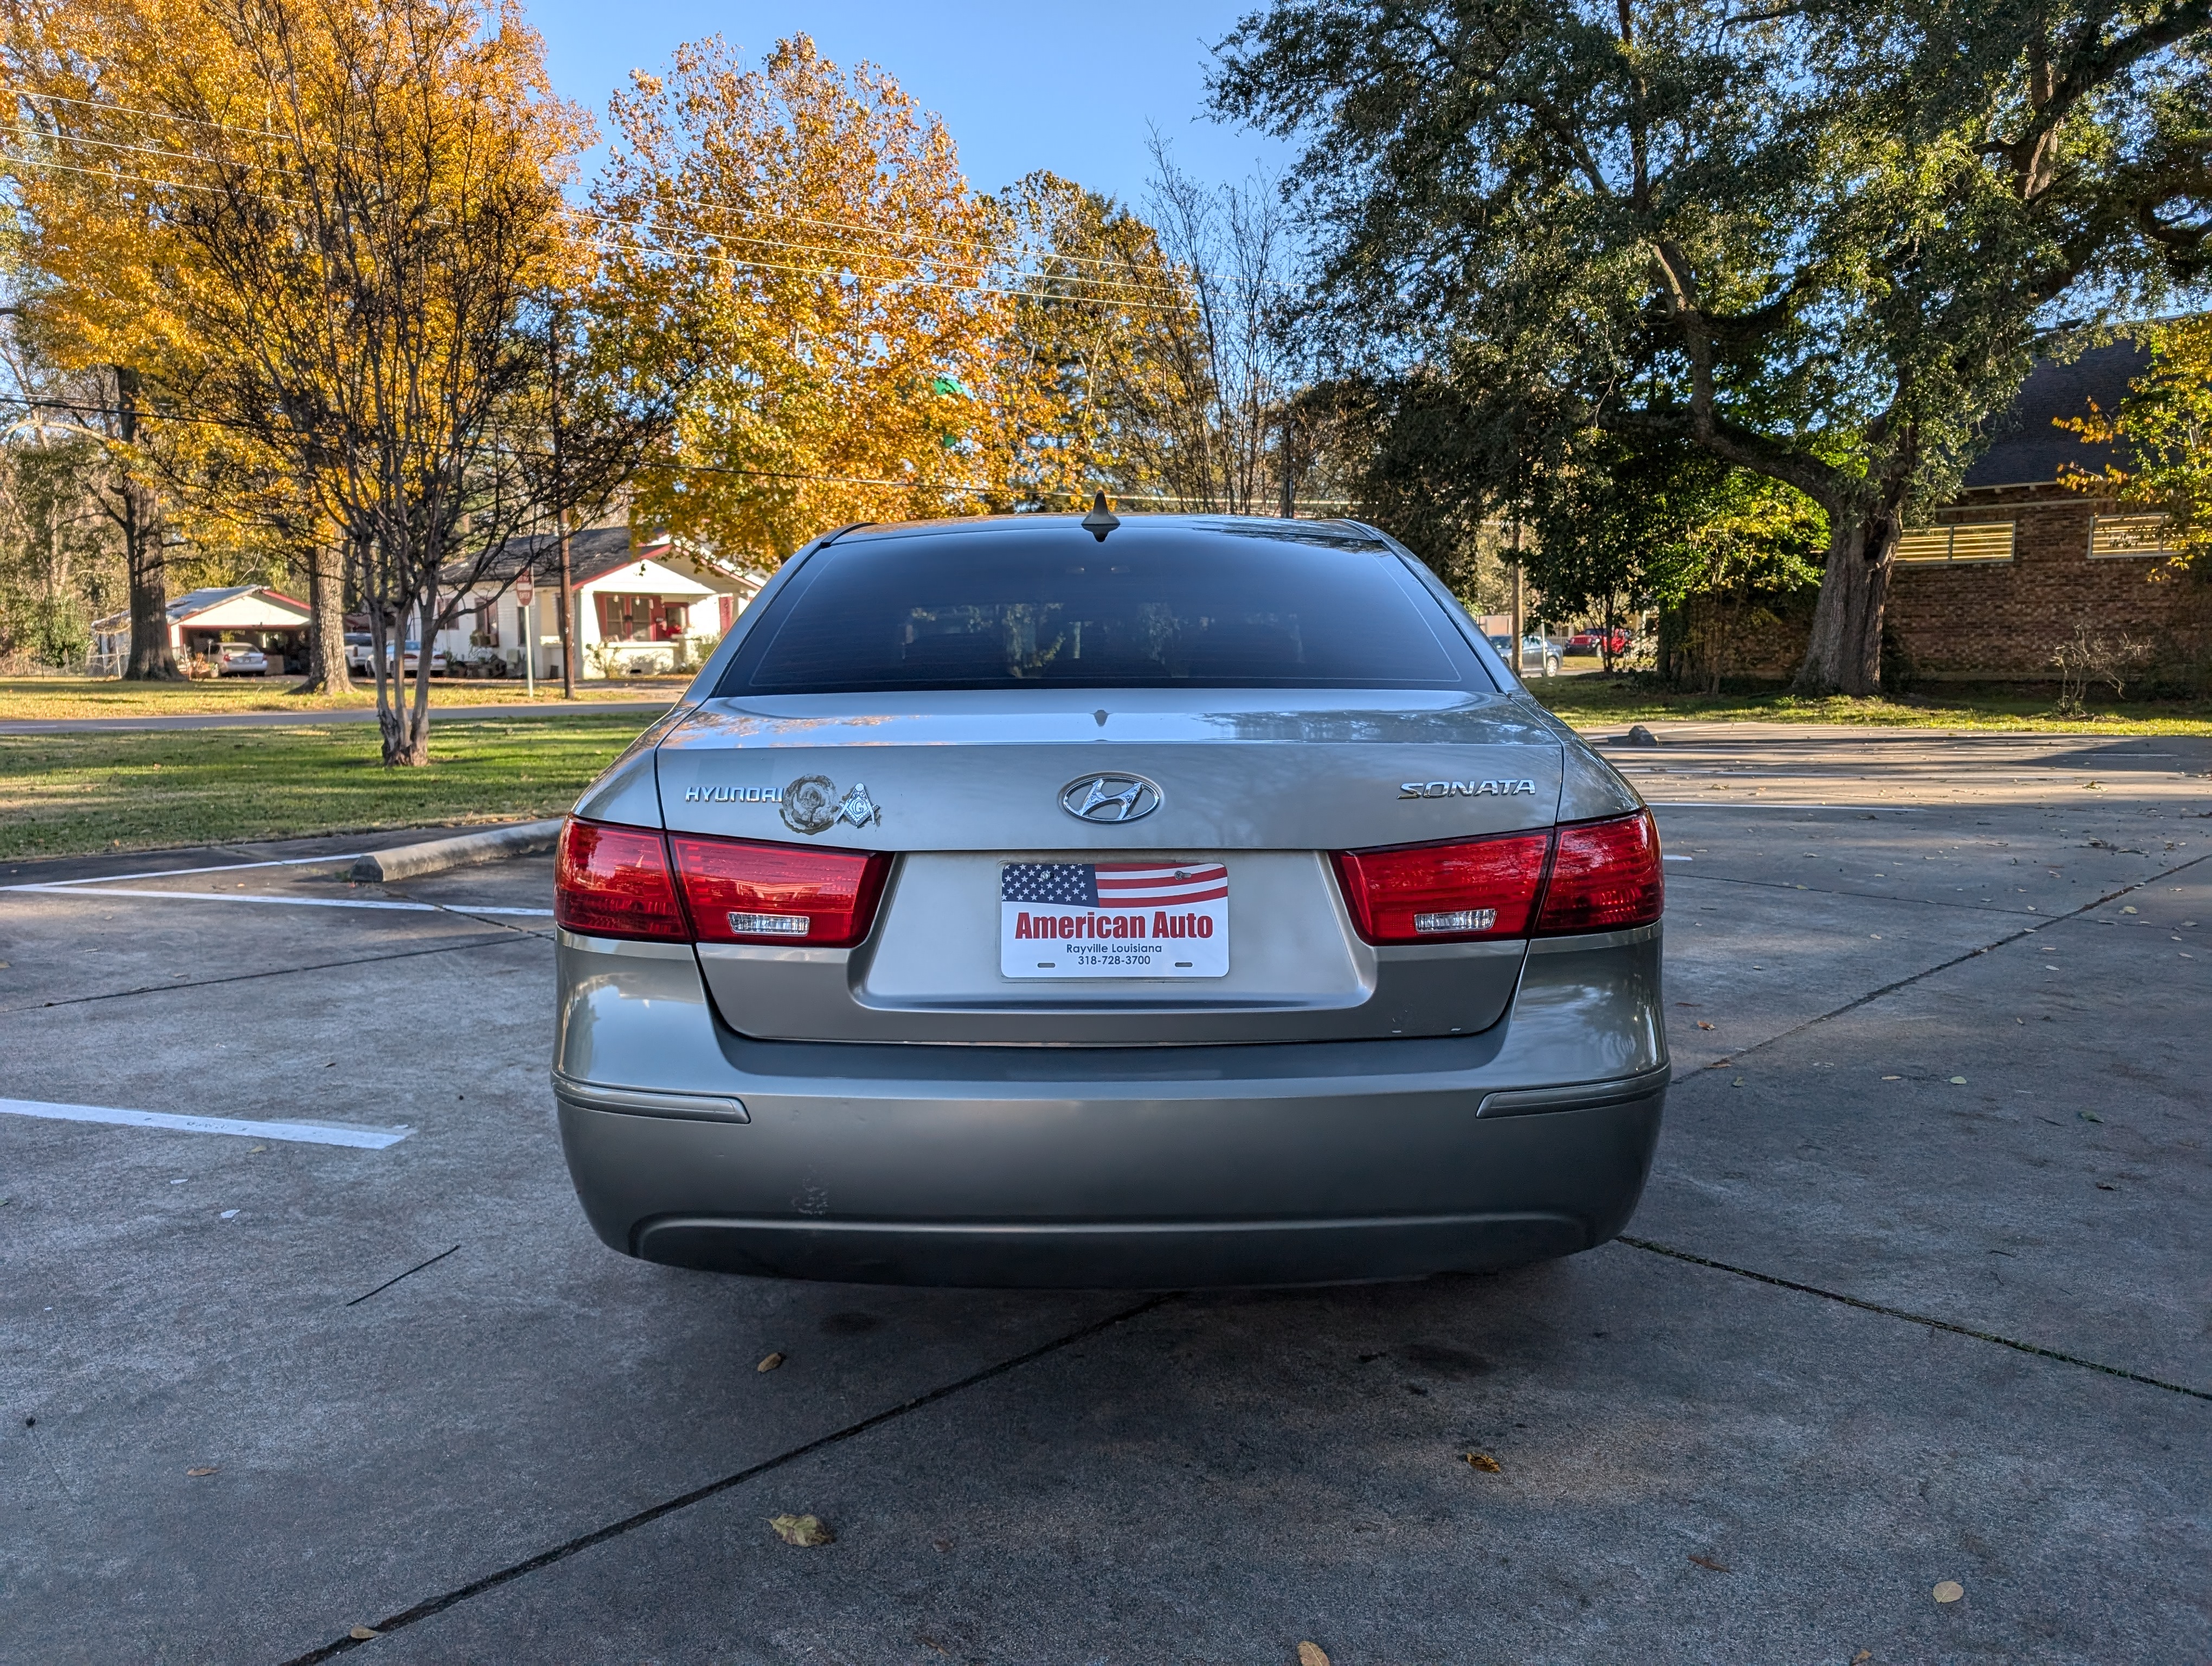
<point>1164,608</point>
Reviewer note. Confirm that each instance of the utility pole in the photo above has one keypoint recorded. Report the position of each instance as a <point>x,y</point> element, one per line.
<point>555,329</point>
<point>568,608</point>
<point>1520,617</point>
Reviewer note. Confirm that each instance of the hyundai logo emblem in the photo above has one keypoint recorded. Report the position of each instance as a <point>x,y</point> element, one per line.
<point>1109,798</point>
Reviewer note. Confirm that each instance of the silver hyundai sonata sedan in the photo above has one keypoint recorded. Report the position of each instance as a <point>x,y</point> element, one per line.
<point>1163,903</point>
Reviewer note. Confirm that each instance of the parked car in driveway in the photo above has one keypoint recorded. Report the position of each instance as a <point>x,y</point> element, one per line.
<point>1594,641</point>
<point>361,655</point>
<point>1536,654</point>
<point>1151,904</point>
<point>238,659</point>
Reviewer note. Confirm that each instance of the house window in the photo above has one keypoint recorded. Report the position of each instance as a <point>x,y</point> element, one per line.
<point>2117,538</point>
<point>1974,541</point>
<point>642,619</point>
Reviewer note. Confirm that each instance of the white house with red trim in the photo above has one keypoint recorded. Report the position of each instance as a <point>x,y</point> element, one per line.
<point>653,608</point>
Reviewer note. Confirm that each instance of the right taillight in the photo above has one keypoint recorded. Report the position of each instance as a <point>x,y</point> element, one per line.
<point>1606,875</point>
<point>739,891</point>
<point>1445,893</point>
<point>615,882</point>
<point>1602,876</point>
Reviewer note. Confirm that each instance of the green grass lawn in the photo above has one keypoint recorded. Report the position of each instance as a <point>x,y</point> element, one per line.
<point>74,793</point>
<point>22,698</point>
<point>1629,699</point>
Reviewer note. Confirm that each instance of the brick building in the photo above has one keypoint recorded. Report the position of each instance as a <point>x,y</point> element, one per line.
<point>2011,568</point>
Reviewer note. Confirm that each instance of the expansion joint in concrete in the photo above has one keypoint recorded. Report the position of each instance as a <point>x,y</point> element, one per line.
<point>560,1553</point>
<point>1887,1312</point>
<point>508,934</point>
<point>1906,983</point>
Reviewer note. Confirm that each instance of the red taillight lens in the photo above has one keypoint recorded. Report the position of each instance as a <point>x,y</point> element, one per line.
<point>741,892</point>
<point>1605,877</point>
<point>614,882</point>
<point>1445,893</point>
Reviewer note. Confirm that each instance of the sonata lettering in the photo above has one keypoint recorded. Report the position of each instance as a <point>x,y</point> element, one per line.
<point>1464,789</point>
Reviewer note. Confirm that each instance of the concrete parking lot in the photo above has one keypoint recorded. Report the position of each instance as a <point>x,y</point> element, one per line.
<point>1917,1294</point>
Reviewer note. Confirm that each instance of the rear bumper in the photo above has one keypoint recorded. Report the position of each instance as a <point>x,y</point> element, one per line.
<point>1124,1168</point>
<point>764,1198</point>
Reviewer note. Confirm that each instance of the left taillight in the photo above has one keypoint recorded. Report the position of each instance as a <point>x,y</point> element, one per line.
<point>1456,892</point>
<point>739,890</point>
<point>615,882</point>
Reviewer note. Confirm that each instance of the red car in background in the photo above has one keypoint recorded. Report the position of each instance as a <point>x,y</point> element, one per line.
<point>1593,641</point>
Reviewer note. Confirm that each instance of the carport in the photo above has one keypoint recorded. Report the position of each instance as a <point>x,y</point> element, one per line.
<point>200,619</point>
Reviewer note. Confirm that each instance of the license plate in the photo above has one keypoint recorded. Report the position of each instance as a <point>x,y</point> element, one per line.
<point>1114,919</point>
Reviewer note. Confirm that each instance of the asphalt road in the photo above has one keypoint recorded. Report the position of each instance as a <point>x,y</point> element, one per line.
<point>306,719</point>
<point>1875,1328</point>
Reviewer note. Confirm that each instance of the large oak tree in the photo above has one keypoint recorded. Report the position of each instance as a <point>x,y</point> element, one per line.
<point>1820,241</point>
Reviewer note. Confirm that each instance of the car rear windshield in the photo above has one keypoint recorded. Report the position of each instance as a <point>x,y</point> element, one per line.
<point>993,609</point>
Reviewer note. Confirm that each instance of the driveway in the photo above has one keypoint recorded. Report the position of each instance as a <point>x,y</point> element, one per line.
<point>1915,1295</point>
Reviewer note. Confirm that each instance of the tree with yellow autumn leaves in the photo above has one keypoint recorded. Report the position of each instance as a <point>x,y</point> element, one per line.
<point>314,228</point>
<point>816,229</point>
<point>324,249</point>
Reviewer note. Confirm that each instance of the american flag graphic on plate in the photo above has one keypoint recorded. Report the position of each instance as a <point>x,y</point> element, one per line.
<point>1156,919</point>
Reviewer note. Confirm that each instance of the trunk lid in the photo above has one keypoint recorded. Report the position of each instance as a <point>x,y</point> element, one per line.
<point>1265,783</point>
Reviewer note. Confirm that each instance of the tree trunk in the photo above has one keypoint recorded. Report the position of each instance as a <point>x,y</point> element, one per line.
<point>327,660</point>
<point>1845,654</point>
<point>405,722</point>
<point>152,658</point>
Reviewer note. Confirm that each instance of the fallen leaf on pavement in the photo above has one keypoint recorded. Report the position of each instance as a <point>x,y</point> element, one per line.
<point>1863,1654</point>
<point>361,1633</point>
<point>1309,1654</point>
<point>1738,1082</point>
<point>1708,1562</point>
<point>1957,1081</point>
<point>1950,1591</point>
<point>1483,1461</point>
<point>208,1470</point>
<point>2127,911</point>
<point>2088,1116</point>
<point>804,1530</point>
<point>1702,1024</point>
<point>1892,1079</point>
<point>770,1363</point>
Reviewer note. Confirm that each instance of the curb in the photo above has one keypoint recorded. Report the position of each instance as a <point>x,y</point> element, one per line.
<point>407,860</point>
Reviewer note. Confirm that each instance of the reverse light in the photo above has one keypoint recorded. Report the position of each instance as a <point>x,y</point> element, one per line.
<point>739,890</point>
<point>1459,891</point>
<point>614,882</point>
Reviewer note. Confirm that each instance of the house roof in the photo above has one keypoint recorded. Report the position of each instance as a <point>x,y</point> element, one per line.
<point>194,603</point>
<point>592,554</point>
<point>2030,448</point>
<point>594,550</point>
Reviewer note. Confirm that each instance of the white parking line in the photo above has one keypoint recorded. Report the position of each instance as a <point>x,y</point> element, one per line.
<point>1777,804</point>
<point>172,872</point>
<point>312,1134</point>
<point>286,901</point>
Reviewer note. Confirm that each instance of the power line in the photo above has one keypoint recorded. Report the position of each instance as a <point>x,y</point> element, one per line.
<point>649,466</point>
<point>843,225</point>
<point>732,261</point>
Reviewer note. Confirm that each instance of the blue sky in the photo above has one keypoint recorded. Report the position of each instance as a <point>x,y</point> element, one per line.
<point>1070,87</point>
